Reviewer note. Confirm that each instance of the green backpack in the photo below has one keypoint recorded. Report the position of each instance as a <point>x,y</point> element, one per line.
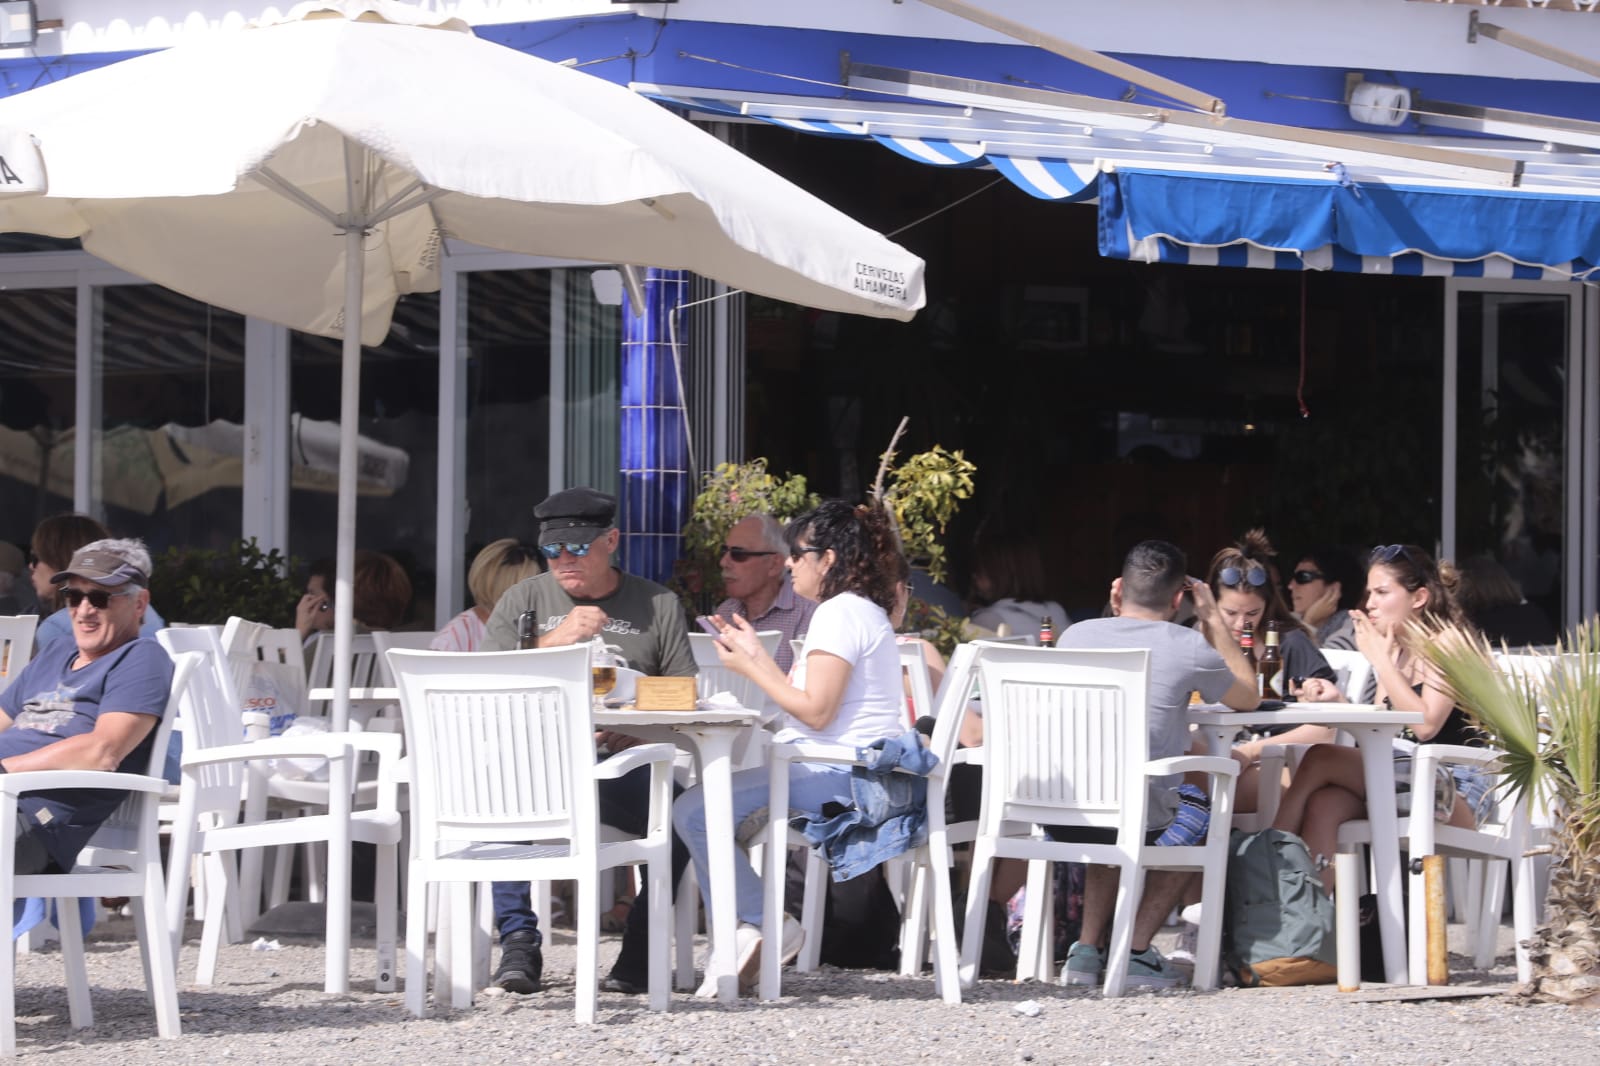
<point>1278,923</point>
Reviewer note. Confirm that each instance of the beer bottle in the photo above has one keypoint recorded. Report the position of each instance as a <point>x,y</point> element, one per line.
<point>525,637</point>
<point>1271,663</point>
<point>1047,632</point>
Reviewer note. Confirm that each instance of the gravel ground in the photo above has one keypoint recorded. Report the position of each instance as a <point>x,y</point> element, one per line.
<point>268,1006</point>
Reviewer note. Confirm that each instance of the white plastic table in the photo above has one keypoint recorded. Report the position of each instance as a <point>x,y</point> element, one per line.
<point>1374,730</point>
<point>712,736</point>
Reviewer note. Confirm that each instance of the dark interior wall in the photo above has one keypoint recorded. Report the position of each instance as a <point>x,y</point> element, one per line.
<point>1102,401</point>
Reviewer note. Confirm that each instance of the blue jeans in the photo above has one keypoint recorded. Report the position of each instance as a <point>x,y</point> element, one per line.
<point>809,788</point>
<point>625,804</point>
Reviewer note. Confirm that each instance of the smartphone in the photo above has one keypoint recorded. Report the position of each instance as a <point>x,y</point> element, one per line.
<point>708,625</point>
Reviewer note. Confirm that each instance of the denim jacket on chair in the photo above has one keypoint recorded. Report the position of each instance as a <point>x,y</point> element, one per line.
<point>890,816</point>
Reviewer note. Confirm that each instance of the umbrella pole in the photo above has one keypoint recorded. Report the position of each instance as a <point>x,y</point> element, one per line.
<point>337,976</point>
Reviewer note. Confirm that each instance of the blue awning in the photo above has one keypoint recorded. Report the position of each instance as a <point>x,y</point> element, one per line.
<point>1333,224</point>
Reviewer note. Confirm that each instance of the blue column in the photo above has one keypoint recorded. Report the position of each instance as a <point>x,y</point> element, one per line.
<point>655,489</point>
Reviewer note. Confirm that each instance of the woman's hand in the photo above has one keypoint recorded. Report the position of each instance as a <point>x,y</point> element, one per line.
<point>1321,690</point>
<point>312,613</point>
<point>738,646</point>
<point>1373,639</point>
<point>1321,609</point>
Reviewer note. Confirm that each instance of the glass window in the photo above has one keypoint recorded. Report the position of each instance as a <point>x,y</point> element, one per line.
<point>398,425</point>
<point>172,403</point>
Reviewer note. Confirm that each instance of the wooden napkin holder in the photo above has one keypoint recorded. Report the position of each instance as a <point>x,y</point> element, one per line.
<point>664,694</point>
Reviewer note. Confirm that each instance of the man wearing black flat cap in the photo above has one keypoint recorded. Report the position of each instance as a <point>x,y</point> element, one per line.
<point>581,595</point>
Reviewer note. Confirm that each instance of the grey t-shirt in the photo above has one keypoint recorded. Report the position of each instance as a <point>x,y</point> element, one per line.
<point>645,621</point>
<point>1181,661</point>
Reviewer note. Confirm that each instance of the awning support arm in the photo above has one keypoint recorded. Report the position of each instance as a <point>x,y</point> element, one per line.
<point>1511,38</point>
<point>1173,90</point>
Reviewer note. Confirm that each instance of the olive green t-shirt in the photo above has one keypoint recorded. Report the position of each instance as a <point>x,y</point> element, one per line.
<point>645,620</point>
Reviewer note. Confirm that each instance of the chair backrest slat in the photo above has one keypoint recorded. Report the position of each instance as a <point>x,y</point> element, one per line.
<point>496,739</point>
<point>16,644</point>
<point>1065,734</point>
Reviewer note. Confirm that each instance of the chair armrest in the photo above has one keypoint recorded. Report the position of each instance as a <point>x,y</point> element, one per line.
<point>313,746</point>
<point>812,751</point>
<point>1226,766</point>
<point>39,780</point>
<point>630,759</point>
<point>1428,754</point>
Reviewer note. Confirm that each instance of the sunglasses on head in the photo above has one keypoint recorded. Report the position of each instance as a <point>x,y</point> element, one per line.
<point>99,599</point>
<point>740,555</point>
<point>1233,576</point>
<point>1306,577</point>
<point>553,551</point>
<point>1388,553</point>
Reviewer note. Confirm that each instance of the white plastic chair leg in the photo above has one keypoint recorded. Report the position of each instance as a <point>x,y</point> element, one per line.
<point>1347,918</point>
<point>1485,923</point>
<point>385,895</point>
<point>977,897</point>
<point>417,945</point>
<point>1130,890</point>
<point>70,920</point>
<point>686,915</point>
<point>914,923</point>
<point>813,908</point>
<point>586,970</point>
<point>1034,956</point>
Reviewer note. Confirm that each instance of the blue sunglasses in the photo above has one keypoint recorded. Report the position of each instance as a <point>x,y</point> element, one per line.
<point>1232,576</point>
<point>553,551</point>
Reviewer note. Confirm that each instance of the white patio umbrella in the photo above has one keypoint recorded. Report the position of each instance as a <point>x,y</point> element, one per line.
<point>309,172</point>
<point>301,170</point>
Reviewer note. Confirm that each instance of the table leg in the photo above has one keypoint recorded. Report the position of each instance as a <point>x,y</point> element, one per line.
<point>716,776</point>
<point>1377,762</point>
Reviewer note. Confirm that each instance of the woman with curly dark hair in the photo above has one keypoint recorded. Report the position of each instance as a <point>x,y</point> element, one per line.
<point>845,688</point>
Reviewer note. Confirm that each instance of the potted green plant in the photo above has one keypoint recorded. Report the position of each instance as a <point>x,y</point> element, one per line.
<point>1549,730</point>
<point>731,492</point>
<point>201,586</point>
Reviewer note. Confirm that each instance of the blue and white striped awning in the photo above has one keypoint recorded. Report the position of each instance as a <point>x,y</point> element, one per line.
<point>1328,224</point>
<point>1033,168</point>
<point>1172,196</point>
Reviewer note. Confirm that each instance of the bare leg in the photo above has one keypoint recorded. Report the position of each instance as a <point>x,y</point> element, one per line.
<point>1324,764</point>
<point>1327,810</point>
<point>1009,875</point>
<point>1162,890</point>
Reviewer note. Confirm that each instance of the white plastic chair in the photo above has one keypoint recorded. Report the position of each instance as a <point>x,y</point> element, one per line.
<point>220,770</point>
<point>502,752</point>
<point>712,677</point>
<point>365,670</point>
<point>384,640</point>
<point>16,645</point>
<point>122,859</point>
<point>1065,743</point>
<point>915,668</point>
<point>1503,837</point>
<point>1351,670</point>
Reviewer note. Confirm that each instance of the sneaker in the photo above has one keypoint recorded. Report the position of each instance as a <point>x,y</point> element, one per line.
<point>747,943</point>
<point>1086,965</point>
<point>1188,940</point>
<point>521,964</point>
<point>1147,969</point>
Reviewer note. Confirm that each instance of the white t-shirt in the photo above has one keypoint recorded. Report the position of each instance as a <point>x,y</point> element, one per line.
<point>857,631</point>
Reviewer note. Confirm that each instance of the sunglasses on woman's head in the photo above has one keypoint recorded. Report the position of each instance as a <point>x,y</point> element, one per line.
<point>1388,553</point>
<point>99,599</point>
<point>1306,577</point>
<point>1233,576</point>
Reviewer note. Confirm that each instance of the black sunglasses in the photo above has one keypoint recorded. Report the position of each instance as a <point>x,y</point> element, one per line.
<point>99,599</point>
<point>795,553</point>
<point>1232,576</point>
<point>1306,577</point>
<point>740,555</point>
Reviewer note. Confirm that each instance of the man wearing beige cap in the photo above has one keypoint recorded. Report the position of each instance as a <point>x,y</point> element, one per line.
<point>92,704</point>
